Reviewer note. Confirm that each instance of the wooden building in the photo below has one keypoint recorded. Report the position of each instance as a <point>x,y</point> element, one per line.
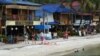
<point>17,15</point>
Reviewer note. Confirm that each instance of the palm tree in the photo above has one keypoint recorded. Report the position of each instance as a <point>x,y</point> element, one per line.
<point>91,6</point>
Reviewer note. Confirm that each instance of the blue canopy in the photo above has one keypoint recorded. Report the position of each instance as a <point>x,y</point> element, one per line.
<point>52,8</point>
<point>56,8</point>
<point>53,23</point>
<point>42,27</point>
<point>21,2</point>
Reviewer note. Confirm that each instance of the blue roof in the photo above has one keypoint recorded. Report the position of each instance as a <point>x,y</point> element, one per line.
<point>56,8</point>
<point>39,13</point>
<point>51,8</point>
<point>17,2</point>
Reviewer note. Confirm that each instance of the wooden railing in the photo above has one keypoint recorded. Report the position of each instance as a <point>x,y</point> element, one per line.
<point>19,17</point>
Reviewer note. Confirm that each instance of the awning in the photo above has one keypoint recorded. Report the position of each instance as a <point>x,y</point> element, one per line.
<point>53,23</point>
<point>42,27</point>
<point>52,8</point>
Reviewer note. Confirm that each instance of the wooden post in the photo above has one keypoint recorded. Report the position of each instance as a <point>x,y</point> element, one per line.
<point>0,27</point>
<point>19,15</point>
<point>21,18</point>
<point>1,19</point>
<point>28,15</point>
<point>5,16</point>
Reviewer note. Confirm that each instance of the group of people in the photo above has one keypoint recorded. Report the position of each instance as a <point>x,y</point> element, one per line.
<point>34,37</point>
<point>42,38</point>
<point>84,32</point>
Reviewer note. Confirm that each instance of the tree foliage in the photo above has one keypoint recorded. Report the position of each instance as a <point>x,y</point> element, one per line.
<point>86,5</point>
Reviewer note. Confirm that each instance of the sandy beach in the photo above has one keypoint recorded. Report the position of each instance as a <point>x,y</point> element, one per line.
<point>57,48</point>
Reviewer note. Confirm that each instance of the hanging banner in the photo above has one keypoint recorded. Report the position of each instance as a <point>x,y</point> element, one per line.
<point>8,22</point>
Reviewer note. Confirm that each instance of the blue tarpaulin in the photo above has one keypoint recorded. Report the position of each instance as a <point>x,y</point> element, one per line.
<point>42,27</point>
<point>52,8</point>
<point>56,8</point>
<point>25,2</point>
<point>53,23</point>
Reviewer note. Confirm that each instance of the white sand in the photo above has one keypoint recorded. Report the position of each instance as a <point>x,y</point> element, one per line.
<point>49,50</point>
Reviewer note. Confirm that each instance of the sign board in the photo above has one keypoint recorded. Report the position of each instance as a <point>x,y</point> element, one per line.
<point>36,22</point>
<point>22,7</point>
<point>24,23</point>
<point>10,22</point>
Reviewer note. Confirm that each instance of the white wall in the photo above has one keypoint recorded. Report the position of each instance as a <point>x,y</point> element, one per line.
<point>48,17</point>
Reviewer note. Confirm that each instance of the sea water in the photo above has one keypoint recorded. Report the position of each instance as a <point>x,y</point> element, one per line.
<point>94,51</point>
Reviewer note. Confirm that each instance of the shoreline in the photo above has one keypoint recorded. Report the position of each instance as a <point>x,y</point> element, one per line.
<point>73,49</point>
<point>67,52</point>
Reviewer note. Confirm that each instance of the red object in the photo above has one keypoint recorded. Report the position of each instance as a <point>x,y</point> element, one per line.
<point>33,37</point>
<point>42,38</point>
<point>65,34</point>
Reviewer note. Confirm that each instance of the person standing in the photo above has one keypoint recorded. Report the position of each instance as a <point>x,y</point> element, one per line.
<point>55,35</point>
<point>33,38</point>
<point>80,33</point>
<point>42,37</point>
<point>84,32</point>
<point>26,39</point>
<point>65,35</point>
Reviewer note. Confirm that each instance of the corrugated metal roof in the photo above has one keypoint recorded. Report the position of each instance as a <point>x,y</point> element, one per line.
<point>21,2</point>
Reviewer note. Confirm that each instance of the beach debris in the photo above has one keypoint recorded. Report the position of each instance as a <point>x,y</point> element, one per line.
<point>76,51</point>
<point>83,49</point>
